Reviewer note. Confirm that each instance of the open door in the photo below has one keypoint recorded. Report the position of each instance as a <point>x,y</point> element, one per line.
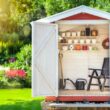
<point>44,59</point>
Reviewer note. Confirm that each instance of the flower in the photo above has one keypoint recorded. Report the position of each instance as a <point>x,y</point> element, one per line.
<point>12,59</point>
<point>21,73</point>
<point>15,73</point>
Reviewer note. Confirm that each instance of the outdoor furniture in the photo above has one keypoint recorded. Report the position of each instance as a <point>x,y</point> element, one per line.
<point>100,74</point>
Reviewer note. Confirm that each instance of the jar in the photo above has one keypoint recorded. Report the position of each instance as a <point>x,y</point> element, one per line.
<point>65,48</point>
<point>90,47</point>
<point>88,41</point>
<point>93,41</point>
<point>63,40</point>
<point>68,34</point>
<point>94,33</point>
<point>87,31</point>
<point>73,34</point>
<point>63,34</point>
<point>78,33</point>
<point>82,33</point>
<point>82,41</point>
<point>76,41</point>
<point>71,47</point>
<point>69,41</point>
<point>85,47</point>
<point>78,47</point>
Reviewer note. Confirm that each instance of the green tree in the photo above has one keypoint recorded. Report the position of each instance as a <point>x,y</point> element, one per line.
<point>55,6</point>
<point>24,11</point>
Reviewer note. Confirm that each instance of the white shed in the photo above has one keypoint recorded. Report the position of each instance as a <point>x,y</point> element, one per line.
<point>78,35</point>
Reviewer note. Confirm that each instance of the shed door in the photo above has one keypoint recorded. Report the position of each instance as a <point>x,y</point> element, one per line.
<point>44,59</point>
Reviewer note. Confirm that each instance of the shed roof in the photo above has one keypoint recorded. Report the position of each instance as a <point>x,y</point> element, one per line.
<point>74,11</point>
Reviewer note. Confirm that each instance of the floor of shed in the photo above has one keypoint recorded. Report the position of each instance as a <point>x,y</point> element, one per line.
<point>106,92</point>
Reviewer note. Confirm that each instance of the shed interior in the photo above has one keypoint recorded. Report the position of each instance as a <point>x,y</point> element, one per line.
<point>80,48</point>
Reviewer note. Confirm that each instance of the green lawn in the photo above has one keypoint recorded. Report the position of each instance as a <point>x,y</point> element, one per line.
<point>18,99</point>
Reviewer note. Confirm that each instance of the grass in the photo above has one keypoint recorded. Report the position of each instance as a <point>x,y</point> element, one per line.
<point>18,99</point>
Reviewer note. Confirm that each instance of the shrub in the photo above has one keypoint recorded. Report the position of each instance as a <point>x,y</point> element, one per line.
<point>6,82</point>
<point>23,62</point>
<point>3,80</point>
<point>10,44</point>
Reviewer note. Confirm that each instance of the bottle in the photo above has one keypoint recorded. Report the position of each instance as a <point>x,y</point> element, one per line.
<point>88,32</point>
<point>82,33</point>
<point>63,40</point>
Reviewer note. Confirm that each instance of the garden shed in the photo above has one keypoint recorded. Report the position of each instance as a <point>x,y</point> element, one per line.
<point>70,53</point>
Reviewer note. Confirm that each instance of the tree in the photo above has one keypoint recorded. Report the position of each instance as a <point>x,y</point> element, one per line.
<point>55,6</point>
<point>24,11</point>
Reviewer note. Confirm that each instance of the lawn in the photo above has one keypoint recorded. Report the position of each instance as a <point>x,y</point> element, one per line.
<point>18,99</point>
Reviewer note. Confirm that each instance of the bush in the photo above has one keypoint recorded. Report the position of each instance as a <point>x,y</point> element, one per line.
<point>10,44</point>
<point>23,62</point>
<point>3,80</point>
<point>6,82</point>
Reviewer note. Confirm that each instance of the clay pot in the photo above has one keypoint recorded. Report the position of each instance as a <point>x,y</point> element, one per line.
<point>78,47</point>
<point>85,47</point>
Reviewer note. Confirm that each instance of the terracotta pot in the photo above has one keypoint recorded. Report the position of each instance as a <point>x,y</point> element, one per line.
<point>78,47</point>
<point>85,47</point>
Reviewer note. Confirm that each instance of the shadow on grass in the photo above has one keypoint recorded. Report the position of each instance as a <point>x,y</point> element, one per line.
<point>22,105</point>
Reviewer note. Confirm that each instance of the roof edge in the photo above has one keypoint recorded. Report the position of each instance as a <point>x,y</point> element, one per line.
<point>73,11</point>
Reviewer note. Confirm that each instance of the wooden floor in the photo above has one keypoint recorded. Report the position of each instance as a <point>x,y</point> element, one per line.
<point>84,92</point>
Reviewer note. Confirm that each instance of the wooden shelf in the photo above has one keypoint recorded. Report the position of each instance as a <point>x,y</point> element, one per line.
<point>81,37</point>
<point>70,51</point>
<point>64,44</point>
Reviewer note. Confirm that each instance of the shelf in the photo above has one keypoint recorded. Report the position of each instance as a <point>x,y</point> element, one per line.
<point>70,51</point>
<point>81,37</point>
<point>64,44</point>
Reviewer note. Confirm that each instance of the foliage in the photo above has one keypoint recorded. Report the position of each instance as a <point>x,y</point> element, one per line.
<point>3,80</point>
<point>55,6</point>
<point>27,10</point>
<point>9,45</point>
<point>10,82</point>
<point>19,99</point>
<point>23,62</point>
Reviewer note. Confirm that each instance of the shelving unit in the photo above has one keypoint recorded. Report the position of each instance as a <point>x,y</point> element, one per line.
<point>88,41</point>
